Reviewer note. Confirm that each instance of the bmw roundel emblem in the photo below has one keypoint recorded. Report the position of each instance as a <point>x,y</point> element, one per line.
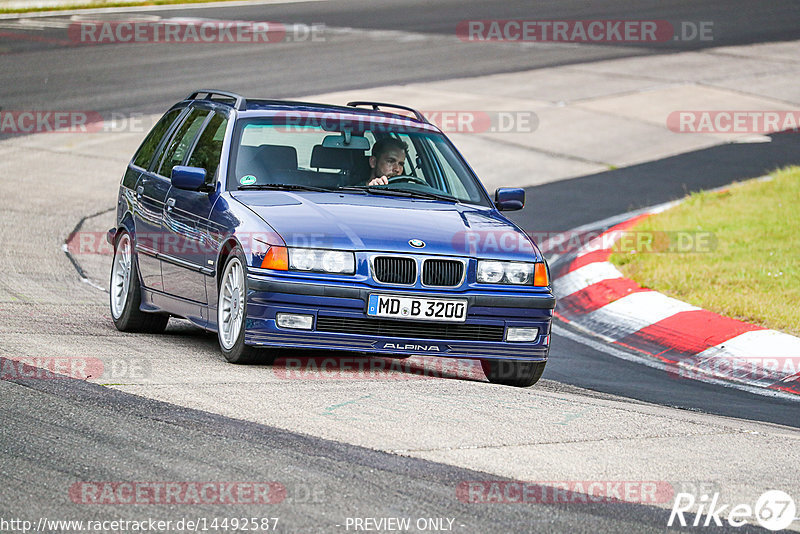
<point>417,243</point>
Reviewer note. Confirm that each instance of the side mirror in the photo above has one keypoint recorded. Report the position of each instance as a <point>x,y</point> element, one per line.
<point>509,198</point>
<point>189,178</point>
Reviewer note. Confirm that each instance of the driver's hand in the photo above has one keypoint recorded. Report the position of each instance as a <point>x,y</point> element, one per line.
<point>383,180</point>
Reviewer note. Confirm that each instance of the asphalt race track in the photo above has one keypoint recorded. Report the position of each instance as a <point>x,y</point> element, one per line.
<point>38,70</point>
<point>345,449</point>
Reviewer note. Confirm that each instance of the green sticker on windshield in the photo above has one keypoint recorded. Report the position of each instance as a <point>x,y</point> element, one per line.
<point>247,180</point>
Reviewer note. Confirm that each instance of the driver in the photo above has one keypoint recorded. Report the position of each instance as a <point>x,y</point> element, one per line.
<point>388,159</point>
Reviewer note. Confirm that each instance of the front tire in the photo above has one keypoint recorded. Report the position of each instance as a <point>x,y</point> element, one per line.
<point>125,293</point>
<point>517,373</point>
<point>232,312</point>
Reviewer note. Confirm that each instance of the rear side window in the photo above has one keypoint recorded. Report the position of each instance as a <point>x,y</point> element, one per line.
<point>145,153</point>
<point>182,141</point>
<point>208,150</point>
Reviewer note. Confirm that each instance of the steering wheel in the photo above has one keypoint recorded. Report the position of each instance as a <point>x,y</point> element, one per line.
<point>407,178</point>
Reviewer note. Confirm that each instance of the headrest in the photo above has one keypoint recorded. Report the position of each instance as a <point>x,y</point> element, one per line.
<point>278,157</point>
<point>333,158</point>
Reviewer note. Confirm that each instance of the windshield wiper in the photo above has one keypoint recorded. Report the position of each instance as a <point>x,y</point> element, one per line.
<point>433,196</point>
<point>284,187</point>
<point>397,192</point>
<point>368,189</point>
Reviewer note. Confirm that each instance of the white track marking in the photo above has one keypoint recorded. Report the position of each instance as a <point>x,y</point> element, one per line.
<point>583,277</point>
<point>633,312</point>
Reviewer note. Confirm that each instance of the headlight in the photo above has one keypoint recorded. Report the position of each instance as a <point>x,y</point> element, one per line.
<point>326,261</point>
<point>302,259</point>
<point>519,273</point>
<point>490,272</point>
<point>335,262</point>
<point>506,272</point>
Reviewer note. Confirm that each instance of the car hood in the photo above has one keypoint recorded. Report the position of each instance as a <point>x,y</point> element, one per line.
<point>383,223</point>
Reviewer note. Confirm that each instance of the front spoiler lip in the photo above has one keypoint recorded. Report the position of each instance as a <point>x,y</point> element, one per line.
<point>543,302</point>
<point>354,342</point>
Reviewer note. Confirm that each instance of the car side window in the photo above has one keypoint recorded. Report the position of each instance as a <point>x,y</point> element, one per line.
<point>208,150</point>
<point>182,141</point>
<point>413,166</point>
<point>148,148</point>
<point>453,185</point>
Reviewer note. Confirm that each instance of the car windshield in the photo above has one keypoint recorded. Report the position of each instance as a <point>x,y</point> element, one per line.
<point>334,155</point>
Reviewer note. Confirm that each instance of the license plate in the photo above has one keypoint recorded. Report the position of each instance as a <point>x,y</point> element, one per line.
<point>418,308</point>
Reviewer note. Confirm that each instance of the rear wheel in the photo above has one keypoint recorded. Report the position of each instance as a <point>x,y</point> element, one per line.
<point>232,313</point>
<point>517,373</point>
<point>126,294</point>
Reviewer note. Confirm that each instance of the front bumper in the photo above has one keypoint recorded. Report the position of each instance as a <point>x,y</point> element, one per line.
<point>341,323</point>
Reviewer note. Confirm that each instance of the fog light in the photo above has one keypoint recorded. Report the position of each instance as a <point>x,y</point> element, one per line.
<point>522,334</point>
<point>293,320</point>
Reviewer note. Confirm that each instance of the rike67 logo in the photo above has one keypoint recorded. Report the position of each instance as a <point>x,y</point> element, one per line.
<point>774,510</point>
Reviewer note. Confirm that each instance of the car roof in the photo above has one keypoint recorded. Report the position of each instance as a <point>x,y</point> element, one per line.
<point>258,107</point>
<point>308,109</point>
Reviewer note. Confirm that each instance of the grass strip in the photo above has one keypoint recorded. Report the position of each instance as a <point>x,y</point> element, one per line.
<point>736,252</point>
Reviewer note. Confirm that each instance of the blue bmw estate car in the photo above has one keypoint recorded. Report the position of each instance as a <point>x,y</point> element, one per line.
<point>281,224</point>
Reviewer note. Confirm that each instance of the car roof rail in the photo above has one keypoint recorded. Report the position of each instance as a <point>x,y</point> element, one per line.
<point>240,102</point>
<point>377,105</point>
